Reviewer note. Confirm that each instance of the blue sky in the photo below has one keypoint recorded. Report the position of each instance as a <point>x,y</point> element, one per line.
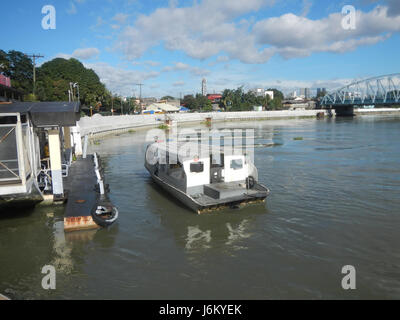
<point>169,46</point>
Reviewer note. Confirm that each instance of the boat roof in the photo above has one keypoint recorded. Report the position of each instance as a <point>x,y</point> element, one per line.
<point>189,150</point>
<point>45,114</point>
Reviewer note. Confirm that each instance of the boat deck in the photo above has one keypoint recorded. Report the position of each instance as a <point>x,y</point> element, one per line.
<point>226,193</point>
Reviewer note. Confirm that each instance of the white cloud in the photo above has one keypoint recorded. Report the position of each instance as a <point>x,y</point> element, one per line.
<point>85,53</point>
<point>296,36</point>
<point>180,66</point>
<point>72,8</point>
<point>120,18</point>
<point>118,80</point>
<point>201,31</point>
<point>152,63</point>
<point>210,27</point>
<point>178,83</point>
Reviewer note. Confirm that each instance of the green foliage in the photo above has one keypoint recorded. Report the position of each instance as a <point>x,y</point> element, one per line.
<point>30,97</point>
<point>163,127</point>
<point>167,98</point>
<point>19,68</point>
<point>199,103</point>
<point>53,80</point>
<point>190,102</point>
<point>238,100</point>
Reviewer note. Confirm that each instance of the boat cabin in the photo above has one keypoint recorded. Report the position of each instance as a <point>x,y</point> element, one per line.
<point>191,166</point>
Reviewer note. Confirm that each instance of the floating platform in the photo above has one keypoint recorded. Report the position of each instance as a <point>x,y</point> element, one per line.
<point>85,198</point>
<point>82,197</point>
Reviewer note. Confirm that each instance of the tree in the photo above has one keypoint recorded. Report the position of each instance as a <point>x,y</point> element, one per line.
<point>167,98</point>
<point>190,102</point>
<point>4,63</point>
<point>55,76</point>
<point>19,68</point>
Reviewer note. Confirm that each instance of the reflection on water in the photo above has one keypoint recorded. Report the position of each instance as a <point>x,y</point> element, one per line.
<point>197,239</point>
<point>334,201</point>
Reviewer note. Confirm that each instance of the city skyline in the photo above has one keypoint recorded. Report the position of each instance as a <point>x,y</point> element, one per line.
<point>170,46</point>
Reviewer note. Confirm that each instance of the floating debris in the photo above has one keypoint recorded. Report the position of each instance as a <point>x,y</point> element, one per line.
<point>298,138</point>
<point>267,145</point>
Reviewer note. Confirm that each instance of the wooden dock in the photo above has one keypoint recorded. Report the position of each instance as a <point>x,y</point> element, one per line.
<point>82,196</point>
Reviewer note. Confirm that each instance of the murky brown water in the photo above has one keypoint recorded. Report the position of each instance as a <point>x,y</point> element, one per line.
<point>335,201</point>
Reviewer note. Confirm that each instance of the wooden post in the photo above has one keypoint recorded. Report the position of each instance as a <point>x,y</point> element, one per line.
<point>67,138</point>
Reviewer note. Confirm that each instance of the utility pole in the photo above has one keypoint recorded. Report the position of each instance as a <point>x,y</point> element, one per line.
<point>112,104</point>
<point>34,57</point>
<point>140,93</point>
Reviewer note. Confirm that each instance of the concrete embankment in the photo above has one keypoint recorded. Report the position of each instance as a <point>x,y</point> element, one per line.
<point>98,125</point>
<point>386,111</point>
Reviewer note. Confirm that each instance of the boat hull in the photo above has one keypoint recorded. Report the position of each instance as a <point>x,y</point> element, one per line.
<point>199,208</point>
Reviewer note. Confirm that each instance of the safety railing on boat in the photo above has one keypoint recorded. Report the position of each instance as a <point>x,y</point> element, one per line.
<point>15,149</point>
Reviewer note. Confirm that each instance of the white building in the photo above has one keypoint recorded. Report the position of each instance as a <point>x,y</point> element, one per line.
<point>260,92</point>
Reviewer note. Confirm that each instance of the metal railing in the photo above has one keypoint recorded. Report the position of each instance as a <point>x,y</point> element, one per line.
<point>15,149</point>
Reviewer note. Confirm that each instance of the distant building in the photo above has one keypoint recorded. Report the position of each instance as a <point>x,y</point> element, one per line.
<point>174,102</point>
<point>148,101</point>
<point>204,87</point>
<point>162,107</point>
<point>214,97</point>
<point>260,92</point>
<point>298,104</point>
<point>306,92</point>
<point>321,91</point>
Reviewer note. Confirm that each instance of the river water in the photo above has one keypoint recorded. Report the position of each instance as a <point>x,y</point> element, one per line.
<point>335,201</point>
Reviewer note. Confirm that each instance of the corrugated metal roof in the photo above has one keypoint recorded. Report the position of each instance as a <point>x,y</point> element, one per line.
<point>46,113</point>
<point>162,106</point>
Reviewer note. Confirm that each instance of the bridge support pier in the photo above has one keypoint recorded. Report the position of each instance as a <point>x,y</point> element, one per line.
<point>345,111</point>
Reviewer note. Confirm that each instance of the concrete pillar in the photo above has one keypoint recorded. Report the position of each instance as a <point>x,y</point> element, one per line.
<point>77,140</point>
<point>55,163</point>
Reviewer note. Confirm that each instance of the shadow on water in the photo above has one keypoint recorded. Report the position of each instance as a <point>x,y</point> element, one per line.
<point>16,211</point>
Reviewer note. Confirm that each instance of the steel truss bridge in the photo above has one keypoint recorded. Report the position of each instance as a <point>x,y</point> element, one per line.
<point>382,90</point>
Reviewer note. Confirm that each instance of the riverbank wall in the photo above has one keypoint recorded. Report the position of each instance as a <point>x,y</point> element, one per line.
<point>383,111</point>
<point>99,125</point>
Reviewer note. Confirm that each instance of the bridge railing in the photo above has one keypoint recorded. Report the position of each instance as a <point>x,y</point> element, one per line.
<point>377,90</point>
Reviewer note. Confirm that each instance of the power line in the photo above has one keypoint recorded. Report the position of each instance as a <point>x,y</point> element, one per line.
<point>140,93</point>
<point>34,56</point>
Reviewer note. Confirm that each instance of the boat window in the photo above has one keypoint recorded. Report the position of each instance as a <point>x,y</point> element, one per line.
<point>217,161</point>
<point>197,167</point>
<point>237,164</point>
<point>176,171</point>
<point>8,120</point>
